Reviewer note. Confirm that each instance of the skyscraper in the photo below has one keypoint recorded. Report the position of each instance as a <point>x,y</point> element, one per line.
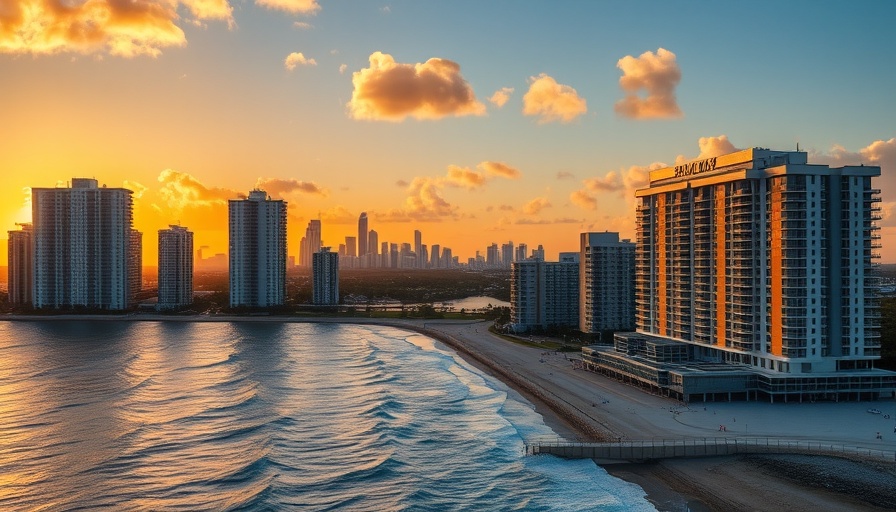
<point>135,266</point>
<point>418,243</point>
<point>82,246</point>
<point>506,254</point>
<point>257,251</point>
<point>607,283</point>
<point>310,243</point>
<point>362,235</point>
<point>325,277</point>
<point>435,258</point>
<point>21,265</point>
<point>350,246</point>
<point>175,268</point>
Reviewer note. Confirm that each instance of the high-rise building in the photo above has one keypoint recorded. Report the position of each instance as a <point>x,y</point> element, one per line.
<point>82,246</point>
<point>351,246</point>
<point>257,251</point>
<point>310,243</point>
<point>362,235</point>
<point>435,258</point>
<point>607,283</point>
<point>423,256</point>
<point>544,294</point>
<point>521,252</point>
<point>175,268</point>
<point>394,256</point>
<point>21,265</point>
<point>418,243</point>
<point>506,254</point>
<point>447,259</point>
<point>373,242</point>
<point>135,267</point>
<point>492,258</point>
<point>538,253</point>
<point>764,263</point>
<point>325,277</point>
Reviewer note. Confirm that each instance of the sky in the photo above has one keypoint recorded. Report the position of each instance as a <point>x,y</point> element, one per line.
<point>476,122</point>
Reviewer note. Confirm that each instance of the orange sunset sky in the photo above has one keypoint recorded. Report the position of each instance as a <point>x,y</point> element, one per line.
<point>474,122</point>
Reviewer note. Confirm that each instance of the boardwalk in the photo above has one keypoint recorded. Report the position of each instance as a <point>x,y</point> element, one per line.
<point>640,451</point>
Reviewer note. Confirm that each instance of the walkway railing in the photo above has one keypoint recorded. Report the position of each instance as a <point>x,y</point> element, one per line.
<point>700,447</point>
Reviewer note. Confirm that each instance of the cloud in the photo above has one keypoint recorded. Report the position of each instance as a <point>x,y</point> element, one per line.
<point>125,28</point>
<point>710,147</point>
<point>425,200</point>
<point>583,199</point>
<point>302,25</point>
<point>464,177</point>
<point>402,183</point>
<point>342,68</point>
<point>500,97</point>
<point>181,190</point>
<point>535,206</point>
<point>657,74</point>
<point>297,59</point>
<point>135,187</point>
<point>338,215</point>
<point>276,187</point>
<point>565,175</point>
<point>505,208</point>
<point>500,169</point>
<point>611,182</point>
<point>390,91</point>
<point>306,7</point>
<point>560,220</point>
<point>551,101</point>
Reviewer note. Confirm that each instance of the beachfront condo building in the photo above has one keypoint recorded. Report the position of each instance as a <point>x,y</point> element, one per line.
<point>257,251</point>
<point>606,283</point>
<point>325,278</point>
<point>83,252</point>
<point>135,267</point>
<point>544,294</point>
<point>175,268</point>
<point>755,273</point>
<point>20,265</point>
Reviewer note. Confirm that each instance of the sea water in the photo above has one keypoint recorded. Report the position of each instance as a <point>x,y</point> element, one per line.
<point>269,416</point>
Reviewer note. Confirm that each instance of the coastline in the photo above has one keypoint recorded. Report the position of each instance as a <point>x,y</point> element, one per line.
<point>583,406</point>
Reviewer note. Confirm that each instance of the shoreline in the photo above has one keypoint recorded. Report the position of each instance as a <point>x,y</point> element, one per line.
<point>584,406</point>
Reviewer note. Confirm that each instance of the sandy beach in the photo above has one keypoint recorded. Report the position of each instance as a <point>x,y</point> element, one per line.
<point>585,406</point>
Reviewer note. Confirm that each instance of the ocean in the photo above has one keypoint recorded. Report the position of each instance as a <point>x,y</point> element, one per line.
<point>269,416</point>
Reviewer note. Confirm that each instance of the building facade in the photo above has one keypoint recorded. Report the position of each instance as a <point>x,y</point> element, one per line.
<point>175,268</point>
<point>756,275</point>
<point>325,278</point>
<point>544,294</point>
<point>606,284</point>
<point>310,243</point>
<point>83,253</point>
<point>21,265</point>
<point>257,251</point>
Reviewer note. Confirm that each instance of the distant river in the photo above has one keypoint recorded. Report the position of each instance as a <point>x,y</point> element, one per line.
<point>266,416</point>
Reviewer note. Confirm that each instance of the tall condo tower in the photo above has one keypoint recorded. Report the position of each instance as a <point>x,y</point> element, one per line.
<point>310,243</point>
<point>257,251</point>
<point>21,265</point>
<point>82,246</point>
<point>418,247</point>
<point>759,258</point>
<point>325,277</point>
<point>175,268</point>
<point>362,235</point>
<point>606,284</point>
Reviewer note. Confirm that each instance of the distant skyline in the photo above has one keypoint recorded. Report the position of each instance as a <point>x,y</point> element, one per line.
<point>473,122</point>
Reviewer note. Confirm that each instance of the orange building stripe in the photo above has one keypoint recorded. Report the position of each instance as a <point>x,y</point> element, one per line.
<point>775,273</point>
<point>661,263</point>
<point>721,293</point>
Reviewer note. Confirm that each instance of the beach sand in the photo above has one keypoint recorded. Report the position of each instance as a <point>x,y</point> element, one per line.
<point>584,406</point>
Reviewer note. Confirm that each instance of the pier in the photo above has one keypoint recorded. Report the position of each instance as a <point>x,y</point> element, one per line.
<point>657,449</point>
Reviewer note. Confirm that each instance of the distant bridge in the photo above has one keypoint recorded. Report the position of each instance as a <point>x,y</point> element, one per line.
<point>643,451</point>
